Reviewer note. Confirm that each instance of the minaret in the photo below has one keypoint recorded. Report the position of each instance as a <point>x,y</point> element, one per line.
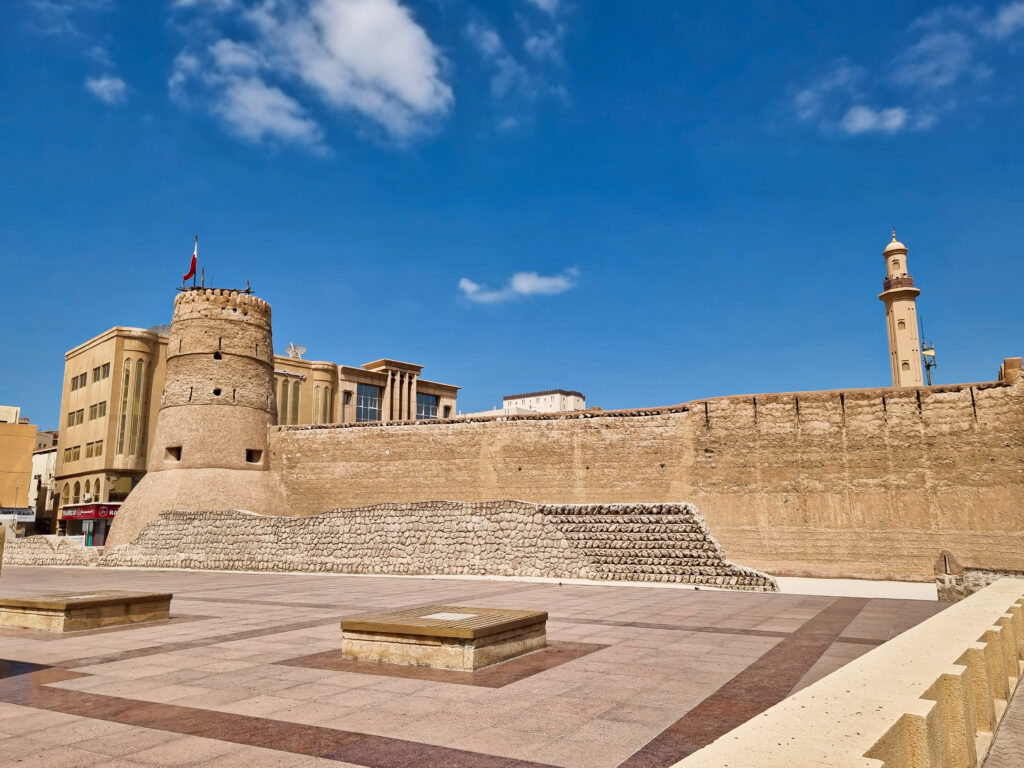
<point>900,297</point>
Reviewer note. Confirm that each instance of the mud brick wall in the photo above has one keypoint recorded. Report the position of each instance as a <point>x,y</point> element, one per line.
<point>854,483</point>
<point>669,543</point>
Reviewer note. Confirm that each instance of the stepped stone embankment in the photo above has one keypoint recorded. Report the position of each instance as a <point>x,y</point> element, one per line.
<point>628,542</point>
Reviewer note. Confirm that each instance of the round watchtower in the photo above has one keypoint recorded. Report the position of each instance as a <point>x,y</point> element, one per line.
<point>209,449</point>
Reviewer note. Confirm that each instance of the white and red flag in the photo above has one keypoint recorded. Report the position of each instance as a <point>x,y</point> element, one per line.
<point>192,269</point>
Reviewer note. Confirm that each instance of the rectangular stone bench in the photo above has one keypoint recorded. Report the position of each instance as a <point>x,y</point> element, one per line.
<point>444,636</point>
<point>73,612</point>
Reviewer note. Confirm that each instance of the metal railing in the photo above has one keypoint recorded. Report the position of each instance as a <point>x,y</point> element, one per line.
<point>898,282</point>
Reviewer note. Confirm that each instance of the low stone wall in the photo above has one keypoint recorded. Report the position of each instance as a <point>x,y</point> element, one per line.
<point>957,586</point>
<point>633,542</point>
<point>929,698</point>
<point>48,550</point>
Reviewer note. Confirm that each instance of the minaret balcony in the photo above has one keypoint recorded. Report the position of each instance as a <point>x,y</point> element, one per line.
<point>889,283</point>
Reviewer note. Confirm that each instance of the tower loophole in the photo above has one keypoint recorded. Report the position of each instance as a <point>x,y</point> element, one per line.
<point>216,392</point>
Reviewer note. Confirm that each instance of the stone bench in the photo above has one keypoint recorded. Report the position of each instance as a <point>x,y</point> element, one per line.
<point>74,612</point>
<point>444,636</point>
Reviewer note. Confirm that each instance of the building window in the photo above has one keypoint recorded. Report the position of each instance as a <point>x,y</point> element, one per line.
<point>137,413</point>
<point>328,407</point>
<point>295,402</point>
<point>901,325</point>
<point>79,381</point>
<point>282,403</point>
<point>87,491</point>
<point>905,366</point>
<point>76,496</point>
<point>101,409</point>
<point>66,496</point>
<point>122,421</point>
<point>367,402</point>
<point>316,405</point>
<point>447,411</point>
<point>426,406</point>
<point>105,371</point>
<point>92,411</point>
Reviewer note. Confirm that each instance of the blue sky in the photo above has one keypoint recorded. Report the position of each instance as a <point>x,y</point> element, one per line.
<point>649,202</point>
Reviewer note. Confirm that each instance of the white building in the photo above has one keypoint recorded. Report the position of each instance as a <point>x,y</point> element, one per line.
<point>548,401</point>
<point>41,491</point>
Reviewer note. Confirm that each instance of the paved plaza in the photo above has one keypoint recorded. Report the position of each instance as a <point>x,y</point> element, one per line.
<point>248,672</point>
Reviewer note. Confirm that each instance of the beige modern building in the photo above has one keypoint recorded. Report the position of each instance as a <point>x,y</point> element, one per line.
<point>10,414</point>
<point>900,297</point>
<point>316,392</point>
<point>112,390</point>
<point>17,441</point>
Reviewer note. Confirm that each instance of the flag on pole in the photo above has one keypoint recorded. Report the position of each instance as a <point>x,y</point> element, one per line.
<point>192,269</point>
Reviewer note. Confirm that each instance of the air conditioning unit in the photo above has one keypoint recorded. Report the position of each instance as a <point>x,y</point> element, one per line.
<point>86,497</point>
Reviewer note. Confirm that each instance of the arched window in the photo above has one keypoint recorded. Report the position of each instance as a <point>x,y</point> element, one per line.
<point>122,419</point>
<point>328,407</point>
<point>96,490</point>
<point>282,404</point>
<point>137,414</point>
<point>87,492</point>
<point>66,496</point>
<point>905,366</point>
<point>316,405</point>
<point>901,325</point>
<point>77,495</point>
<point>295,402</point>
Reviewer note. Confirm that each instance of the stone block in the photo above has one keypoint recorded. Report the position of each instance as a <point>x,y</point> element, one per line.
<point>445,637</point>
<point>75,612</point>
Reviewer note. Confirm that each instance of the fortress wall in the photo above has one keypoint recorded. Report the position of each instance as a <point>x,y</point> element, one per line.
<point>855,483</point>
<point>492,538</point>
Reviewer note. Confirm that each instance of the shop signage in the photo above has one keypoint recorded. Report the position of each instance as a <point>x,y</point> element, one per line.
<point>19,514</point>
<point>89,511</point>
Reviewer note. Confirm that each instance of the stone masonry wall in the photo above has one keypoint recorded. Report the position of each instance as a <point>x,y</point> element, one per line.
<point>48,550</point>
<point>855,483</point>
<point>635,542</point>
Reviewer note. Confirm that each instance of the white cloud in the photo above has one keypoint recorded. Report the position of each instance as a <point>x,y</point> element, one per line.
<point>545,45</point>
<point>256,111</point>
<point>108,89</point>
<point>862,119</point>
<point>935,61</point>
<point>63,17</point>
<point>1007,21</point>
<point>368,58</point>
<point>811,103</point>
<point>949,54</point>
<point>548,6</point>
<point>217,5</point>
<point>520,284</point>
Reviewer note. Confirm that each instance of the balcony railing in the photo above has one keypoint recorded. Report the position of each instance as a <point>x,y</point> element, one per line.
<point>898,282</point>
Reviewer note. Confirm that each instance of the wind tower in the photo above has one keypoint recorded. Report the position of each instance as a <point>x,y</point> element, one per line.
<point>900,297</point>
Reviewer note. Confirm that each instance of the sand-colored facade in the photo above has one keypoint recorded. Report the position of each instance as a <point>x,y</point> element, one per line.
<point>871,483</point>
<point>17,441</point>
<point>900,296</point>
<point>112,390</point>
